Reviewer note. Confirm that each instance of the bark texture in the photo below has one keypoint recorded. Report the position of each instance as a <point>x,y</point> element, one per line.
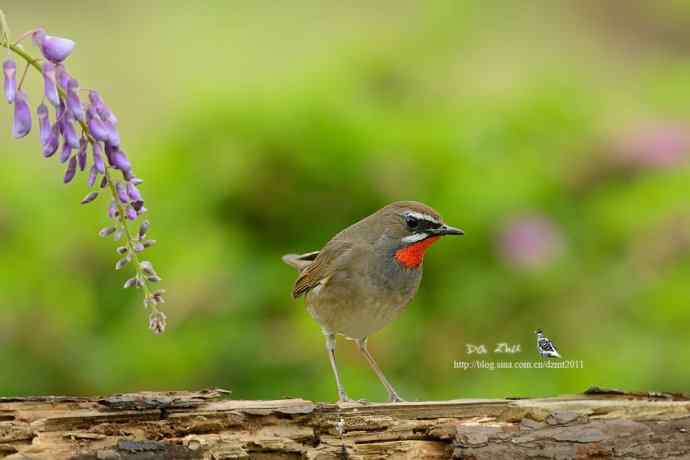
<point>209,425</point>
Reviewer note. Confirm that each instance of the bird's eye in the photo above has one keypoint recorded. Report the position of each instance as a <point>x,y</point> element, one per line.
<point>411,221</point>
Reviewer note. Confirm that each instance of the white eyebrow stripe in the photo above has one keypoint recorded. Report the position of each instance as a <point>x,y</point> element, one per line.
<point>414,238</point>
<point>422,216</point>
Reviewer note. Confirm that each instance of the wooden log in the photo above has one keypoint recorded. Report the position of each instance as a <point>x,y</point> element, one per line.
<point>210,425</point>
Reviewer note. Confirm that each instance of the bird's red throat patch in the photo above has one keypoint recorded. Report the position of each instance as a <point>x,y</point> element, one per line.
<point>412,256</point>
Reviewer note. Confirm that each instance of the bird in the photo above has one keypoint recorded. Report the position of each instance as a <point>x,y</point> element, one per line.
<point>545,347</point>
<point>366,275</point>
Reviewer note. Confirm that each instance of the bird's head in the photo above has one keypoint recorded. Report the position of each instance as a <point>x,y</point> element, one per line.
<point>539,332</point>
<point>412,227</point>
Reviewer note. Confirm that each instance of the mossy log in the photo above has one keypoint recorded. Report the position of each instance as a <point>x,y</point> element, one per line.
<point>210,425</point>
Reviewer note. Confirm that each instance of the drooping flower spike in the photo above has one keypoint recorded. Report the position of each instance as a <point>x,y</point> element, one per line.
<point>76,126</point>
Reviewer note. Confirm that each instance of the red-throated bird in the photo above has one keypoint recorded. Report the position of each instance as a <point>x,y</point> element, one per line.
<point>366,275</point>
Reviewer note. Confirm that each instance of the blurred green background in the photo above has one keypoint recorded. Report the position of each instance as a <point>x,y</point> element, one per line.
<point>555,133</point>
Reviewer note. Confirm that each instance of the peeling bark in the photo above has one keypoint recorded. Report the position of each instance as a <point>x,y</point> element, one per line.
<point>210,425</point>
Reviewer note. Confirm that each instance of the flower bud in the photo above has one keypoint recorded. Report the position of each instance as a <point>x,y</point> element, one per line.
<point>69,132</point>
<point>96,126</point>
<point>81,155</point>
<point>122,262</point>
<point>133,192</point>
<point>89,198</point>
<point>73,102</point>
<point>55,49</point>
<point>143,228</point>
<point>62,76</point>
<point>65,153</point>
<point>52,142</point>
<point>22,116</point>
<point>50,84</point>
<point>93,175</point>
<point>98,158</point>
<point>147,268</point>
<point>131,213</point>
<point>121,193</point>
<point>112,210</point>
<point>157,322</point>
<point>71,170</point>
<point>117,158</point>
<point>107,231</point>
<point>43,123</point>
<point>9,69</point>
<point>131,282</point>
<point>103,110</point>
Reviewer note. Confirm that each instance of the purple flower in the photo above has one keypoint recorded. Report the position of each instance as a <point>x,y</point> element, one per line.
<point>89,198</point>
<point>49,84</point>
<point>69,132</point>
<point>62,76</point>
<point>51,145</point>
<point>66,152</point>
<point>103,110</point>
<point>93,175</point>
<point>117,158</point>
<point>81,155</point>
<point>113,135</point>
<point>22,116</point>
<point>133,192</point>
<point>71,170</point>
<point>96,127</point>
<point>530,242</point>
<point>9,69</point>
<point>55,49</point>
<point>98,158</point>
<point>73,102</point>
<point>130,213</point>
<point>43,123</point>
<point>121,192</point>
<point>112,210</point>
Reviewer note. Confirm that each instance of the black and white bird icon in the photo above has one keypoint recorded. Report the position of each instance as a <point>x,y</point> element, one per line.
<point>545,347</point>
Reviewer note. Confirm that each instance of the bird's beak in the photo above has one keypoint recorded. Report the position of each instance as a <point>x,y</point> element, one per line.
<point>446,230</point>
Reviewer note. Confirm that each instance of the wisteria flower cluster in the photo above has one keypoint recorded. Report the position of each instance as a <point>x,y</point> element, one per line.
<point>85,134</point>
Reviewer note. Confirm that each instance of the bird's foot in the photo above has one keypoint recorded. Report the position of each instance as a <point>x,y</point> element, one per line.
<point>393,397</point>
<point>345,399</point>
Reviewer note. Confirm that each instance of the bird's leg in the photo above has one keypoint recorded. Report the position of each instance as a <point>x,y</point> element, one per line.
<point>392,394</point>
<point>330,347</point>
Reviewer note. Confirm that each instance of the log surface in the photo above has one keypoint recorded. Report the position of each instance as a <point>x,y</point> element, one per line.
<point>210,425</point>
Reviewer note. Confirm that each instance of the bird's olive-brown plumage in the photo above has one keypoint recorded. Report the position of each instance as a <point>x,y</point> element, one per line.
<point>366,275</point>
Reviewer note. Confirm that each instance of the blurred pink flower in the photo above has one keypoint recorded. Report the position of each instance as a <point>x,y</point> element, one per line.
<point>530,242</point>
<point>656,145</point>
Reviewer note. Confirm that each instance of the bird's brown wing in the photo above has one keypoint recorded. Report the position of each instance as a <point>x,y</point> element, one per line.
<point>323,266</point>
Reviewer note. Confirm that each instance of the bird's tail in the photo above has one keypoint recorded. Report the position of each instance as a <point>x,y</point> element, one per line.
<point>300,261</point>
